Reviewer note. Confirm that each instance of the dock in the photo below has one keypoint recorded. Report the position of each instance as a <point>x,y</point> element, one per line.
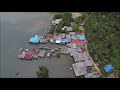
<point>42,54</point>
<point>79,69</point>
<point>35,56</point>
<point>78,57</point>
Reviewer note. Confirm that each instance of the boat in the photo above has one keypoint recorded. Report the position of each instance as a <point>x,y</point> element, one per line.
<point>47,48</point>
<point>26,50</point>
<point>48,55</point>
<point>20,49</point>
<point>69,68</point>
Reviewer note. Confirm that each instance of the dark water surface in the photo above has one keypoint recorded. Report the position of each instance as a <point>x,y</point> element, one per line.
<point>16,28</point>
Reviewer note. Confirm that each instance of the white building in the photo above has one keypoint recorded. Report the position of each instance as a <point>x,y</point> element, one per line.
<point>76,14</point>
<point>57,21</point>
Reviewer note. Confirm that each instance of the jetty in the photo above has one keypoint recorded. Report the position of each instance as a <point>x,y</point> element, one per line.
<point>79,69</point>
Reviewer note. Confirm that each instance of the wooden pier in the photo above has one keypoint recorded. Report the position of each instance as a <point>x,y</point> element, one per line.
<point>42,54</point>
<point>79,69</point>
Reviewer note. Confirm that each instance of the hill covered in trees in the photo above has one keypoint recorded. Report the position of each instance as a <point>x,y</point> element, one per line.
<point>103,35</point>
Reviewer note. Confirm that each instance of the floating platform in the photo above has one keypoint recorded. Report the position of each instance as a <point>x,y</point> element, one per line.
<point>42,54</point>
<point>35,56</point>
<point>25,55</point>
<point>79,69</point>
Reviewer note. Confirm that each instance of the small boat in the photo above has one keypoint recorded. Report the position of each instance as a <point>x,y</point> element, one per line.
<point>20,49</point>
<point>17,73</point>
<point>26,50</point>
<point>48,55</point>
<point>69,68</point>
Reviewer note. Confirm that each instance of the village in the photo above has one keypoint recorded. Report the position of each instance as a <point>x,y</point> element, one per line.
<point>71,43</point>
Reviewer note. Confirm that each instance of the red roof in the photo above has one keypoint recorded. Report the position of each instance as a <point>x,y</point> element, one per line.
<point>79,41</point>
<point>28,56</point>
<point>33,49</point>
<point>51,36</point>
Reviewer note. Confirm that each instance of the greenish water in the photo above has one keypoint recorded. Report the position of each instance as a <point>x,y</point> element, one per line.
<point>16,29</point>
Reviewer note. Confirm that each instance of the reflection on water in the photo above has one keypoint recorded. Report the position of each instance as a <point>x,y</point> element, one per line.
<point>16,29</point>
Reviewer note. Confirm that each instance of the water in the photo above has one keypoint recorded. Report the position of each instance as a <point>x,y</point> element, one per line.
<point>16,28</point>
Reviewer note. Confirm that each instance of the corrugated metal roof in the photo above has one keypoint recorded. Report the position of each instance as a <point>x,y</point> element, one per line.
<point>34,40</point>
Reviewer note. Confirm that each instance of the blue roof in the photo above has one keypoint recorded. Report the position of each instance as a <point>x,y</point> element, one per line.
<point>108,68</point>
<point>66,40</point>
<point>34,40</point>
<point>82,37</point>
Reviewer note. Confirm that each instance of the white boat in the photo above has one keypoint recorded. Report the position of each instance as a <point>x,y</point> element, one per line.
<point>20,49</point>
<point>27,50</point>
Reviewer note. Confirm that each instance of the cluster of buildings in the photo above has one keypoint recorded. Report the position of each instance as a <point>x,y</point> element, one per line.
<point>30,54</point>
<point>74,45</point>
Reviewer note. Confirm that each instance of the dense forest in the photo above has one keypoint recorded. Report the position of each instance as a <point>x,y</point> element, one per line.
<point>103,35</point>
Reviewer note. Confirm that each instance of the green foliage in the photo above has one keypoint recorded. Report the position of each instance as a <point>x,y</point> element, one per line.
<point>76,27</point>
<point>103,34</point>
<point>66,19</point>
<point>58,16</point>
<point>51,30</point>
<point>43,72</point>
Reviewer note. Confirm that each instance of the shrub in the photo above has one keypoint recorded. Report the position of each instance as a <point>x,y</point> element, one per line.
<point>43,72</point>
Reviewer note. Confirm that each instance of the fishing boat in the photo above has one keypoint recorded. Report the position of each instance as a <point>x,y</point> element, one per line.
<point>69,68</point>
<point>20,49</point>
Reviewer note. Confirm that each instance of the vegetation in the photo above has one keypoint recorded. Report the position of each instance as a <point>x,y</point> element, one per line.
<point>43,72</point>
<point>76,27</point>
<point>66,19</point>
<point>103,34</point>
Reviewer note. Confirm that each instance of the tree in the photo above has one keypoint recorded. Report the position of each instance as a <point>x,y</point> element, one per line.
<point>103,33</point>
<point>76,27</point>
<point>43,72</point>
<point>58,16</point>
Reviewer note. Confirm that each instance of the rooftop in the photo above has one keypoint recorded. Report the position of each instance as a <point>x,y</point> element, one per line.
<point>79,69</point>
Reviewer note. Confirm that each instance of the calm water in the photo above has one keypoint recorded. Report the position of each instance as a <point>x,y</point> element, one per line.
<point>16,28</point>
